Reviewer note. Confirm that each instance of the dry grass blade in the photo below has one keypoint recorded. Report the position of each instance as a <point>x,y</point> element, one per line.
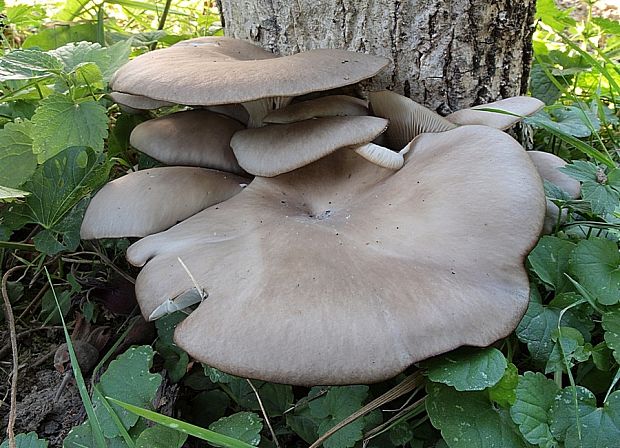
<point>13,334</point>
<point>406,386</point>
<point>262,408</point>
<point>392,421</point>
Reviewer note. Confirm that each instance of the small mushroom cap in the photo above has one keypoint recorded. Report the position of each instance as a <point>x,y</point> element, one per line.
<point>408,119</point>
<point>235,111</point>
<point>343,272</point>
<point>326,106</point>
<point>518,105</point>
<point>277,149</point>
<point>138,102</point>
<point>149,201</point>
<point>381,156</point>
<point>195,138</point>
<point>547,165</point>
<point>217,70</point>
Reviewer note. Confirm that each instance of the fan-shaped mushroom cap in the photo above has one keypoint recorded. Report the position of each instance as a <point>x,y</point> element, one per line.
<point>326,106</point>
<point>195,138</point>
<point>149,201</point>
<point>547,165</point>
<point>408,119</point>
<point>219,70</point>
<point>342,272</point>
<point>518,105</point>
<point>280,148</point>
<point>236,111</point>
<point>138,102</point>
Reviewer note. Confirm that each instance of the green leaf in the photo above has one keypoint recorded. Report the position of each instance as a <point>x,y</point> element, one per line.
<point>29,440</point>
<point>611,325</point>
<point>576,121</point>
<point>401,434</point>
<point>335,406</point>
<point>82,437</point>
<point>469,420</point>
<point>542,87</point>
<point>175,359</point>
<point>160,436</point>
<point>17,161</point>
<point>127,378</point>
<point>49,310</point>
<point>549,261</point>
<point>57,186</point>
<point>569,349</point>
<point>596,262</point>
<point>548,12</point>
<point>468,369</point>
<point>504,392</point>
<point>28,64</point>
<point>60,123</point>
<point>602,198</point>
<point>532,408</point>
<point>581,170</point>
<point>76,53</point>
<point>244,426</point>
<point>577,421</point>
<point>61,34</point>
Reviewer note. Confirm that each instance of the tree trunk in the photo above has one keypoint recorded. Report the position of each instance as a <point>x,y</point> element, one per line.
<point>445,54</point>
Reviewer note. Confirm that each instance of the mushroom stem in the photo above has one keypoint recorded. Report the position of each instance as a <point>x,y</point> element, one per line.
<point>258,109</point>
<point>380,155</point>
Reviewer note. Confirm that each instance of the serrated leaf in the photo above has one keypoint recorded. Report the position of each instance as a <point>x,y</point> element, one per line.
<point>160,436</point>
<point>581,170</point>
<point>549,261</point>
<point>28,64</point>
<point>60,34</point>
<point>596,262</point>
<point>602,198</point>
<point>60,123</point>
<point>542,87</point>
<point>59,185</point>
<point>335,406</point>
<point>82,437</point>
<point>577,421</point>
<point>29,440</point>
<point>128,379</point>
<point>469,420</point>
<point>17,161</point>
<point>76,53</point>
<point>468,369</point>
<point>538,325</point>
<point>611,325</point>
<point>532,408</point>
<point>576,121</point>
<point>244,426</point>
<point>504,392</point>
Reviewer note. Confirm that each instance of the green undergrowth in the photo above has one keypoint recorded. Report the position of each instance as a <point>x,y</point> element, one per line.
<point>552,383</point>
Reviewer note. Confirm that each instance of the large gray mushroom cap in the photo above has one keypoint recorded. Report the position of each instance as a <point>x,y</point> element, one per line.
<point>342,272</point>
<point>194,138</point>
<point>220,70</point>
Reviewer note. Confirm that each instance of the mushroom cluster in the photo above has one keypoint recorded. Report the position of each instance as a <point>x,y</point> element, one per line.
<point>330,240</point>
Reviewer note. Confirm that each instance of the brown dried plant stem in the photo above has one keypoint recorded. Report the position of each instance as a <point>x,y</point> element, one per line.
<point>262,408</point>
<point>11,324</point>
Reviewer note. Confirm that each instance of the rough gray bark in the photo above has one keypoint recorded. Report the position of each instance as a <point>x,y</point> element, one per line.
<point>447,54</point>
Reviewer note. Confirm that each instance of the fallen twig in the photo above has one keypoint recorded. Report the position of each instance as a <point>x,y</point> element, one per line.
<point>262,408</point>
<point>11,324</point>
<point>7,348</point>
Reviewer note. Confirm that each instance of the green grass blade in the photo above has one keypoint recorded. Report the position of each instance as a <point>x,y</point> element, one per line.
<point>136,4</point>
<point>115,419</point>
<point>187,428</point>
<point>79,379</point>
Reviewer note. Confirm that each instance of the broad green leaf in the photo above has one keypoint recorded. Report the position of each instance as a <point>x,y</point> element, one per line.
<point>549,261</point>
<point>469,420</point>
<point>539,323</point>
<point>17,161</point>
<point>576,121</point>
<point>244,426</point>
<point>82,437</point>
<point>602,198</point>
<point>542,87</point>
<point>175,359</point>
<point>207,407</point>
<point>29,440</point>
<point>468,369</point>
<point>607,25</point>
<point>576,420</point>
<point>128,379</point>
<point>60,123</point>
<point>58,185</point>
<point>548,12</point>
<point>581,170</point>
<point>532,408</point>
<point>76,53</point>
<point>71,9</point>
<point>596,262</point>
<point>335,406</point>
<point>28,64</point>
<point>303,424</point>
<point>61,34</point>
<point>65,235</point>
<point>504,392</point>
<point>602,355</point>
<point>611,325</point>
<point>12,193</point>
<point>569,349</point>
<point>160,436</point>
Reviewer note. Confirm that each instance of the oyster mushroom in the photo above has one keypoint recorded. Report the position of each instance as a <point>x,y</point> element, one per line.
<point>195,138</point>
<point>325,106</point>
<point>152,200</point>
<point>342,272</point>
<point>516,107</point>
<point>219,70</point>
